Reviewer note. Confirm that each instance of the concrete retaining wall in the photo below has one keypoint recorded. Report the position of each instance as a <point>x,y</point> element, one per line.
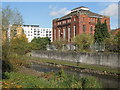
<point>105,59</point>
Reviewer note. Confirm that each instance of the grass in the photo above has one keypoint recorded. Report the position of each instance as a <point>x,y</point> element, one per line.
<point>49,80</point>
<point>86,66</point>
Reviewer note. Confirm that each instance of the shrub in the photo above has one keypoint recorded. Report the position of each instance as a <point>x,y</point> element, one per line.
<point>40,43</point>
<point>50,80</point>
<point>59,43</point>
<point>83,41</point>
<point>19,45</point>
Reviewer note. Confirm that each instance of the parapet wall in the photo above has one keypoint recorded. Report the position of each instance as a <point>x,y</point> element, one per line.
<point>105,59</point>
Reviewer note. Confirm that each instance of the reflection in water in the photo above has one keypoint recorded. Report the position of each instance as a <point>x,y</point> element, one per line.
<point>107,82</point>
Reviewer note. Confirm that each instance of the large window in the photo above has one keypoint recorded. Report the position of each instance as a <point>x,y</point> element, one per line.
<point>64,33</point>
<point>74,30</point>
<point>84,28</point>
<point>55,34</point>
<point>69,34</point>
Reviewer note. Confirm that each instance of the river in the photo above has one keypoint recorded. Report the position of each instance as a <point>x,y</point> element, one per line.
<point>107,82</point>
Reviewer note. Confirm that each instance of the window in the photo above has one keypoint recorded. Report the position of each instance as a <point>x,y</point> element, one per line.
<point>60,22</point>
<point>49,31</point>
<point>49,34</point>
<point>74,19</point>
<point>84,28</point>
<point>64,22</point>
<point>55,34</point>
<point>46,35</point>
<point>46,31</point>
<point>69,32</point>
<point>59,34</point>
<point>74,30</point>
<point>64,33</point>
<point>92,19</point>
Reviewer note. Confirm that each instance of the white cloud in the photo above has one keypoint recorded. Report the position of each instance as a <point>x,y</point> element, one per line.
<point>111,10</point>
<point>52,7</point>
<point>55,12</point>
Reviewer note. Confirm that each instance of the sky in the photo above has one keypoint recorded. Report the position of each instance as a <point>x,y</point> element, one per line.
<point>42,13</point>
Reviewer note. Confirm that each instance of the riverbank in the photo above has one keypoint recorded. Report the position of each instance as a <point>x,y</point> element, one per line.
<point>95,69</point>
<point>29,78</point>
<point>40,73</point>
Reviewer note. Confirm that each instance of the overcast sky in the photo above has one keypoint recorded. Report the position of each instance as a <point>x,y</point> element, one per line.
<point>42,13</point>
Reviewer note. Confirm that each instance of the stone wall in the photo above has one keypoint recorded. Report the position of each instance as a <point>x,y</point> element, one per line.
<point>105,59</point>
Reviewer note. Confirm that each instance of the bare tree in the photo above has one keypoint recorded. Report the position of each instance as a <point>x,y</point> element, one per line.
<point>10,17</point>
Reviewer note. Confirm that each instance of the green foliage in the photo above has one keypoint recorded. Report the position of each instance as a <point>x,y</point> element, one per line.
<point>59,43</point>
<point>9,17</point>
<point>101,32</point>
<point>105,32</point>
<point>26,81</point>
<point>98,34</point>
<point>6,65</point>
<point>112,43</point>
<point>40,43</point>
<point>51,80</point>
<point>83,41</point>
<point>90,82</point>
<point>117,37</point>
<point>20,45</point>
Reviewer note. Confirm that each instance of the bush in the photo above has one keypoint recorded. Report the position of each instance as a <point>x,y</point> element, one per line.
<point>40,43</point>
<point>50,80</point>
<point>83,41</point>
<point>19,45</point>
<point>18,80</point>
<point>59,43</point>
<point>112,43</point>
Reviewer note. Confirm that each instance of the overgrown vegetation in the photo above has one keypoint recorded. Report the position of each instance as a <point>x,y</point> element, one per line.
<point>49,80</point>
<point>40,43</point>
<point>86,66</point>
<point>59,43</point>
<point>84,41</point>
<point>19,45</point>
<point>11,46</point>
<point>112,43</point>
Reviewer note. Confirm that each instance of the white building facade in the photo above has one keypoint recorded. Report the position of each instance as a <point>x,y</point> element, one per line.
<point>34,31</point>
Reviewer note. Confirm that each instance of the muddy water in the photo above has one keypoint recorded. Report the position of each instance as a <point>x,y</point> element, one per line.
<point>107,82</point>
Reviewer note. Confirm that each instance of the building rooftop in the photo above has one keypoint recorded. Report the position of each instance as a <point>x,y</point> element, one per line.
<point>30,25</point>
<point>81,10</point>
<point>81,7</point>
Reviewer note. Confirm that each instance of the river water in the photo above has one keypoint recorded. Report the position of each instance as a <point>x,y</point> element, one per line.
<point>106,81</point>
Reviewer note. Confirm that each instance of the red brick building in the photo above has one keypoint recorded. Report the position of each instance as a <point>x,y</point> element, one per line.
<point>114,32</point>
<point>80,20</point>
